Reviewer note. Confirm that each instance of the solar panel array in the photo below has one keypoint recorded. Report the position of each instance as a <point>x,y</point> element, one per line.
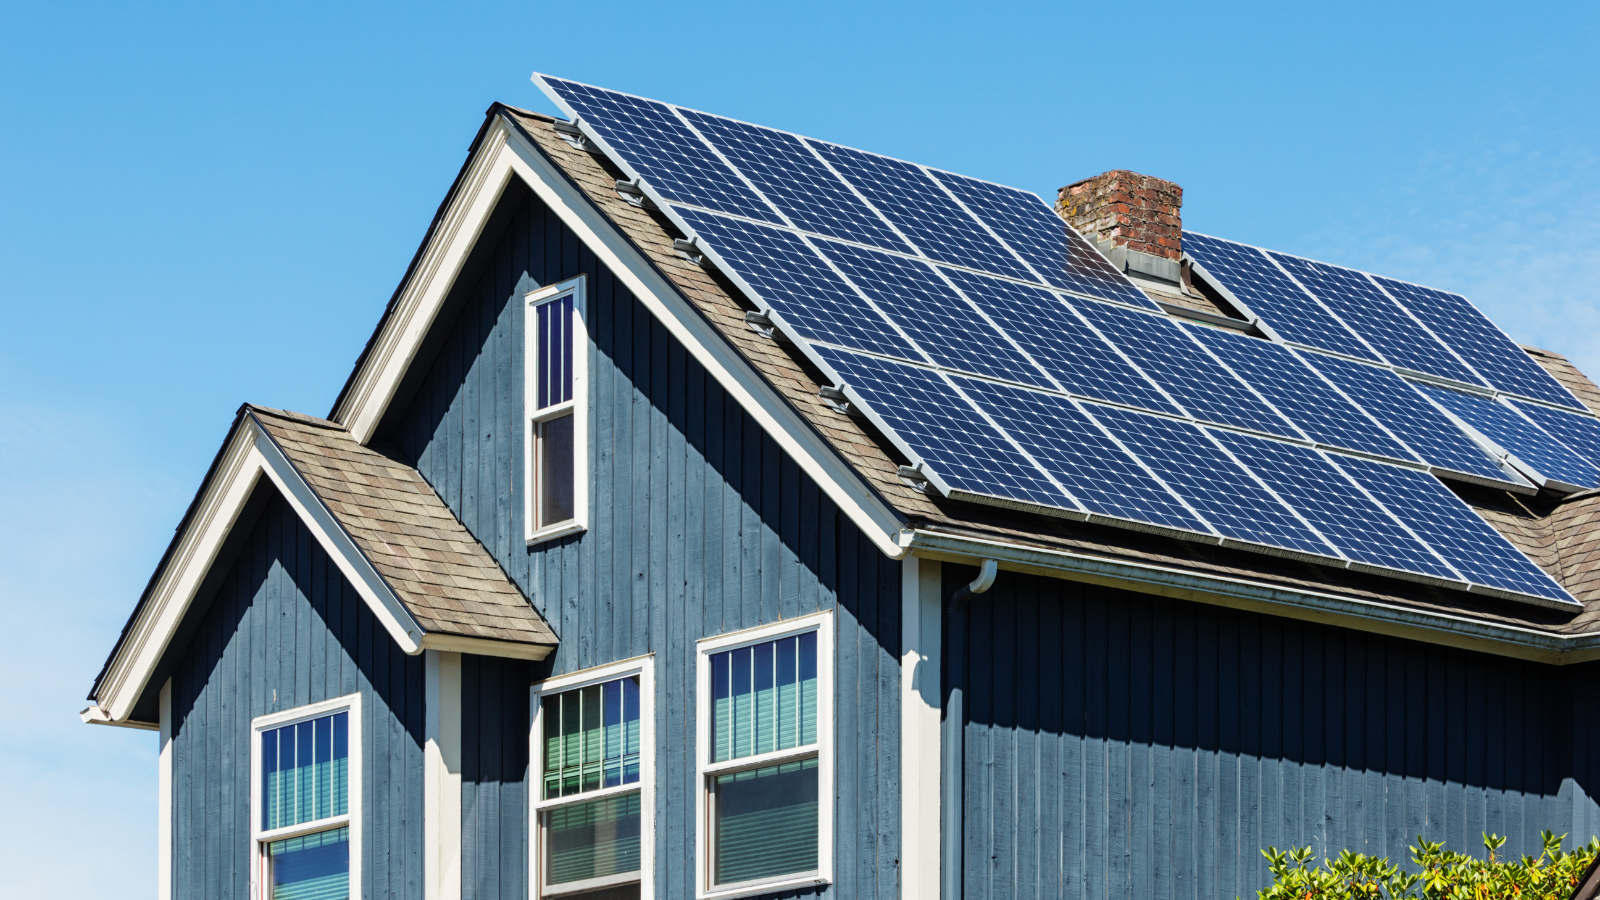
<point>1013,364</point>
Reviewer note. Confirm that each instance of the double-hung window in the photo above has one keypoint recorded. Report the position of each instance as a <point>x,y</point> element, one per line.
<point>305,802</point>
<point>592,760</point>
<point>765,753</point>
<point>555,396</point>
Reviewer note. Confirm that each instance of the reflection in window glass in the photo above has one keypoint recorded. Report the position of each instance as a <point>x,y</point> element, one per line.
<point>313,867</point>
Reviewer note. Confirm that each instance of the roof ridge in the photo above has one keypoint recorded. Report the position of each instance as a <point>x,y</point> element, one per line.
<point>292,416</point>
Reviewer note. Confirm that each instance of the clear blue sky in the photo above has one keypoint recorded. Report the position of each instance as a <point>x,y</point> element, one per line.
<point>207,204</point>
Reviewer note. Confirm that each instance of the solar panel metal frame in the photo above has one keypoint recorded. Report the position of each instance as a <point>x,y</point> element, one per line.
<point>1528,469</point>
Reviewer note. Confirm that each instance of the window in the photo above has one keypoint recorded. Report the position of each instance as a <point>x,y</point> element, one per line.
<point>591,756</point>
<point>555,395</point>
<point>304,800</point>
<point>766,759</point>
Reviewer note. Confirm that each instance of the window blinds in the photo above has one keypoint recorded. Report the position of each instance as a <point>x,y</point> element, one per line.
<point>305,771</point>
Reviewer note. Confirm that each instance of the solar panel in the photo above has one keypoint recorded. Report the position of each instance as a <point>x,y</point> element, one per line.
<point>1370,313</point>
<point>920,408</point>
<point>1059,341</point>
<point>1297,391</point>
<point>1250,276</point>
<point>1213,484</point>
<point>1480,342</point>
<point>1397,405</point>
<point>936,317</point>
<point>1303,478</point>
<point>660,148</point>
<point>1453,529</point>
<point>1050,246</point>
<point>1517,436</point>
<point>1098,473</point>
<point>784,169</point>
<point>1182,367</point>
<point>922,211</point>
<point>1581,434</point>
<point>782,269</point>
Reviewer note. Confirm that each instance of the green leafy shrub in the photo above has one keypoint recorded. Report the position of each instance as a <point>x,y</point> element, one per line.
<point>1445,875</point>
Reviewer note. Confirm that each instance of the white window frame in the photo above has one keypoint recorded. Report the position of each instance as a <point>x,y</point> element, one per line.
<point>578,406</point>
<point>259,839</point>
<point>644,668</point>
<point>823,750</point>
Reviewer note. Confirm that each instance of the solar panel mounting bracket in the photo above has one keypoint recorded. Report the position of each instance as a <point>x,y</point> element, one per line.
<point>834,397</point>
<point>689,249</point>
<point>634,194</point>
<point>913,477</point>
<point>761,323</point>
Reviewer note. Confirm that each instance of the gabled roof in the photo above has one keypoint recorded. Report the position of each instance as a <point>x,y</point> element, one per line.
<point>447,580</point>
<point>1097,552</point>
<point>427,579</point>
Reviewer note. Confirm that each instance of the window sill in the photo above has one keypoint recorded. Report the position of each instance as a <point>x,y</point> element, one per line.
<point>752,888</point>
<point>556,531</point>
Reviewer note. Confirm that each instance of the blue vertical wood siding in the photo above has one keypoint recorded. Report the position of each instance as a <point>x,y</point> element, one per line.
<point>285,630</point>
<point>699,525</point>
<point>1124,745</point>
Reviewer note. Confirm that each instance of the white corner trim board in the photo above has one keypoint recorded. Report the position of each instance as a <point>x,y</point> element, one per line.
<point>920,709</point>
<point>505,152</point>
<point>441,818</point>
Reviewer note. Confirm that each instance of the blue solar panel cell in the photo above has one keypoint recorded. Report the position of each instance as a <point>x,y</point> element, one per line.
<point>943,429</point>
<point>1397,405</point>
<point>1371,314</point>
<point>1581,434</point>
<point>1283,305</point>
<point>799,284</point>
<point>1452,529</point>
<point>1214,485</point>
<point>1059,341</point>
<point>1297,391</point>
<point>1051,248</point>
<point>1501,424</point>
<point>1070,446</point>
<point>1180,365</point>
<point>1355,524</point>
<point>656,143</point>
<point>922,211</point>
<point>1480,342</point>
<point>935,316</point>
<point>783,168</point>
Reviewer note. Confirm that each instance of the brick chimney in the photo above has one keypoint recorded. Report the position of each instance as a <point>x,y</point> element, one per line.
<point>1134,218</point>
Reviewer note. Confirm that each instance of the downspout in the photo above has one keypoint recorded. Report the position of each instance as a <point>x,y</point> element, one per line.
<point>953,736</point>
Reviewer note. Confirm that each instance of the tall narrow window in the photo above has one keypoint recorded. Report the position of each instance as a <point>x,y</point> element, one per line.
<point>305,825</point>
<point>765,759</point>
<point>556,404</point>
<point>591,812</point>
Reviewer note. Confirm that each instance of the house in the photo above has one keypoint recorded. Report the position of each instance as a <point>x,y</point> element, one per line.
<point>599,580</point>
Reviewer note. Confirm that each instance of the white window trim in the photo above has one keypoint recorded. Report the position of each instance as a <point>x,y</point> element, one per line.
<point>579,405</point>
<point>822,624</point>
<point>644,667</point>
<point>352,819</point>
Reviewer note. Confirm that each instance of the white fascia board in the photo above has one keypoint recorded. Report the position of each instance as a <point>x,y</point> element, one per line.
<point>505,152</point>
<point>1241,593</point>
<point>354,565</point>
<point>180,579</point>
<point>249,456</point>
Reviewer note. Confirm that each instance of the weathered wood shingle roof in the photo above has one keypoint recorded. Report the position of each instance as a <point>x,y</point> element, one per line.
<point>444,576</point>
<point>1571,562</point>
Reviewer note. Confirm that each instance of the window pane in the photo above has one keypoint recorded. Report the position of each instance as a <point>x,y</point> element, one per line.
<point>305,771</point>
<point>555,472</point>
<point>764,698</point>
<point>592,840</point>
<point>766,822</point>
<point>554,351</point>
<point>591,738</point>
<point>314,867</point>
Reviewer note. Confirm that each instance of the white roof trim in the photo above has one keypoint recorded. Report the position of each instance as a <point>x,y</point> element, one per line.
<point>505,152</point>
<point>250,455</point>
